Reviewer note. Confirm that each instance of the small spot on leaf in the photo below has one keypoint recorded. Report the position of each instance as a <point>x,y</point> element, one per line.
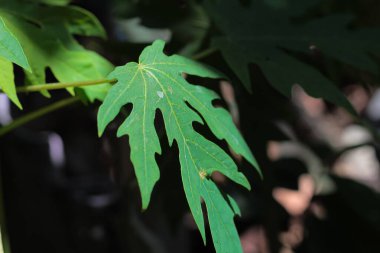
<point>160,94</point>
<point>203,174</point>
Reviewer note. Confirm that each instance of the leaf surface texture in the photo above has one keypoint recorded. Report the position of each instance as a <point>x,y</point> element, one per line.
<point>156,82</point>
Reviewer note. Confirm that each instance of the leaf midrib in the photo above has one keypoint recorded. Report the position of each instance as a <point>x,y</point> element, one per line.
<point>209,113</point>
<point>188,148</point>
<point>143,130</point>
<point>178,125</point>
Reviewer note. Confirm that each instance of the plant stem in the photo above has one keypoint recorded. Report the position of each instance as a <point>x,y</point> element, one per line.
<point>36,114</point>
<point>204,53</point>
<point>60,104</point>
<point>57,86</point>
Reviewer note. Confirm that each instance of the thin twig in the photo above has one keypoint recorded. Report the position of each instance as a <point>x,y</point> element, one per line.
<point>57,86</point>
<point>36,114</point>
<point>204,53</point>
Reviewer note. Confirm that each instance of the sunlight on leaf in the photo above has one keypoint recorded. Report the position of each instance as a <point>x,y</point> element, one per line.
<point>7,82</point>
<point>47,36</point>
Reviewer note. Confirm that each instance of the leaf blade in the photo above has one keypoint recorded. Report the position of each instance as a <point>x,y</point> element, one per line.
<point>47,35</point>
<point>10,47</point>
<point>7,82</point>
<point>156,83</point>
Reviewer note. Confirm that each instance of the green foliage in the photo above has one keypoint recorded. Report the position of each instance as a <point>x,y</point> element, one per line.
<point>10,48</point>
<point>265,34</point>
<point>10,51</point>
<point>187,20</point>
<point>52,2</point>
<point>39,34</point>
<point>156,83</point>
<point>7,83</point>
<point>46,36</point>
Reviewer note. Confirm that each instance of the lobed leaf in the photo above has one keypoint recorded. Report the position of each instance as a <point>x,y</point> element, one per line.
<point>10,47</point>
<point>7,82</point>
<point>10,51</point>
<point>156,83</point>
<point>249,36</point>
<point>46,34</point>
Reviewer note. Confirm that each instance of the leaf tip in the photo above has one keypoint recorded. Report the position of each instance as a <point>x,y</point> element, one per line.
<point>28,68</point>
<point>159,42</point>
<point>18,104</point>
<point>248,187</point>
<point>203,235</point>
<point>260,173</point>
<point>243,181</point>
<point>16,101</point>
<point>252,160</point>
<point>145,204</point>
<point>159,45</point>
<point>100,132</point>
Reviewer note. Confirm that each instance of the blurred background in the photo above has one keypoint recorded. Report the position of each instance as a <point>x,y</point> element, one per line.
<point>66,190</point>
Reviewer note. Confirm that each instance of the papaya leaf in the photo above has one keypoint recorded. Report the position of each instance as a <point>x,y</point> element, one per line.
<point>47,36</point>
<point>156,83</point>
<point>10,51</point>
<point>10,47</point>
<point>7,82</point>
<point>265,35</point>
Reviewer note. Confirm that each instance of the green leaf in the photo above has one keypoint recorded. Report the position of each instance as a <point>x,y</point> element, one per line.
<point>250,36</point>
<point>10,48</point>
<point>7,82</point>
<point>51,2</point>
<point>46,34</point>
<point>156,83</point>
<point>78,21</point>
<point>10,51</point>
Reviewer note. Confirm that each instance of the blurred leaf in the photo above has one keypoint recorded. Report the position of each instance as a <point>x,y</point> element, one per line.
<point>7,82</point>
<point>10,47</point>
<point>51,2</point>
<point>156,82</point>
<point>192,29</point>
<point>46,34</point>
<point>133,31</point>
<point>187,20</point>
<point>264,35</point>
<point>10,51</point>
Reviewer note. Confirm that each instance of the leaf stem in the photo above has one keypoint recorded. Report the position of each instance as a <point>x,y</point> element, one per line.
<point>36,114</point>
<point>204,53</point>
<point>57,86</point>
